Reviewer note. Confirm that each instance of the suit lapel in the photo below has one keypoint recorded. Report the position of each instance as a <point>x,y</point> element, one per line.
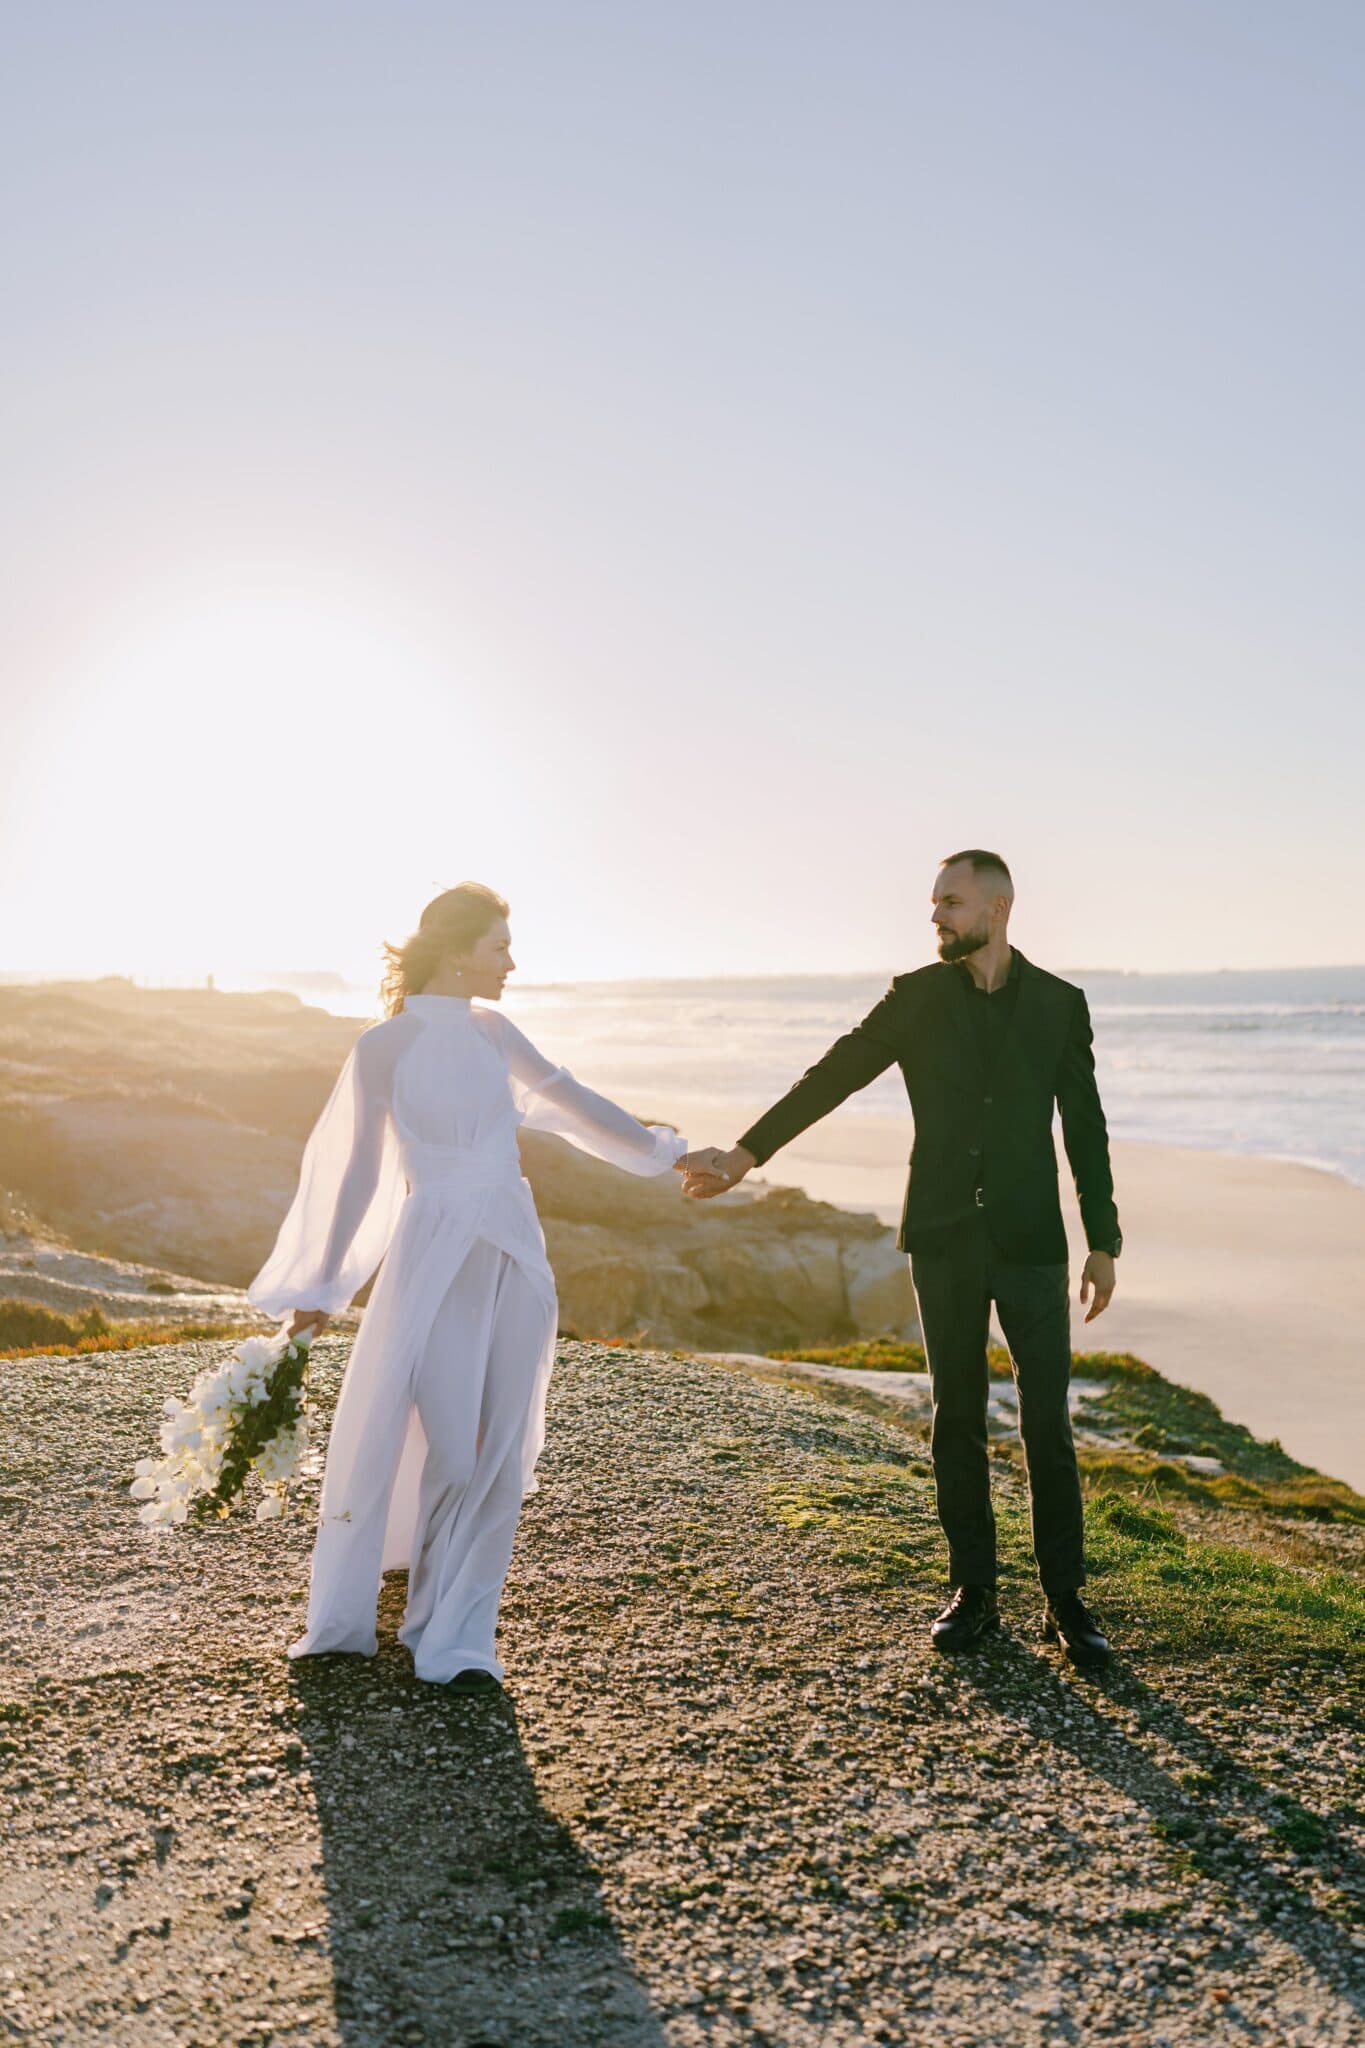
<point>1030,1006</point>
<point>1026,1001</point>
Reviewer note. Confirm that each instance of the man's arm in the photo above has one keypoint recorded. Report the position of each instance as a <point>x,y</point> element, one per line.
<point>1086,1137</point>
<point>851,1063</point>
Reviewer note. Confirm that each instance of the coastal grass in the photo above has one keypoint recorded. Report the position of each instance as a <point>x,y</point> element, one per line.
<point>1190,1594</point>
<point>885,1354</point>
<point>30,1330</point>
<point>1153,1424</point>
<point>1306,1495</point>
<point>1178,1593</point>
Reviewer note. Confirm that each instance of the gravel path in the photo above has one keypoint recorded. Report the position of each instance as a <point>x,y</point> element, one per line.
<point>729,1797</point>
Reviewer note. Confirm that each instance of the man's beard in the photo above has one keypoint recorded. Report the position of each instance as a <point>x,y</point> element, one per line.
<point>957,945</point>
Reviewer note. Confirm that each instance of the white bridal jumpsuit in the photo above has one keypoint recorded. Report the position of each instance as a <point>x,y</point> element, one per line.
<point>441,1415</point>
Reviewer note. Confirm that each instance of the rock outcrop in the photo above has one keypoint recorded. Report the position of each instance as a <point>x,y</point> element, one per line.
<point>655,1267</point>
<point>164,1128</point>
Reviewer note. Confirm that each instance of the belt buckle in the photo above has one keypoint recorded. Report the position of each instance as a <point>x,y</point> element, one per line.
<point>979,1198</point>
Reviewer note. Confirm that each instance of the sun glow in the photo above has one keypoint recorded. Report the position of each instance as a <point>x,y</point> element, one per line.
<point>244,784</point>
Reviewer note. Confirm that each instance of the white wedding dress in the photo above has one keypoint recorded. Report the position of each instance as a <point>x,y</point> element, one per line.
<point>441,1415</point>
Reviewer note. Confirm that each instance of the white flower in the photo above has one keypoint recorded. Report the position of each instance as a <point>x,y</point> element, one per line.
<point>278,1459</point>
<point>197,1433</point>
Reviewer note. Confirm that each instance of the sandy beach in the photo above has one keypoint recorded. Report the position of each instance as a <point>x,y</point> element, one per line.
<point>1243,1278</point>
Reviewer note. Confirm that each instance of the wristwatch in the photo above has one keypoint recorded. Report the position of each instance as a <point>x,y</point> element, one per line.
<point>1113,1249</point>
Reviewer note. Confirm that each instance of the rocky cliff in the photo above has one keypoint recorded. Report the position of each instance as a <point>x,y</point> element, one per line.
<point>165,1126</point>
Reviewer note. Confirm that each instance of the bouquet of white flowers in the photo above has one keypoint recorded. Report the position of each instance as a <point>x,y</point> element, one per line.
<point>247,1414</point>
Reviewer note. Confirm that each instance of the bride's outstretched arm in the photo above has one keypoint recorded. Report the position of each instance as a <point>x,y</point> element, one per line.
<point>552,1100</point>
<point>350,1189</point>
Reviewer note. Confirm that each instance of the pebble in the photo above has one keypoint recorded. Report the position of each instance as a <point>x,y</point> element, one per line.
<point>729,1797</point>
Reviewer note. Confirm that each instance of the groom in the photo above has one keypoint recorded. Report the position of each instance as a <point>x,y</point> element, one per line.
<point>988,1043</point>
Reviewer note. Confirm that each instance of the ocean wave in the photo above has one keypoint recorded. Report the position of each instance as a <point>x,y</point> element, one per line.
<point>1266,1065</point>
<point>1247,1016</point>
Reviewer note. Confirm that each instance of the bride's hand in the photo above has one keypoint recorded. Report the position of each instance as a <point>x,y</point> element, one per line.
<point>710,1171</point>
<point>305,1318</point>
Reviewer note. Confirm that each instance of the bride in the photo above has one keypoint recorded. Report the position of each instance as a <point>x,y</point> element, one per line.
<point>441,1415</point>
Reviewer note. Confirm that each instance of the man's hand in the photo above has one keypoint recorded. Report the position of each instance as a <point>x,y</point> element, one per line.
<point>710,1171</point>
<point>303,1317</point>
<point>1100,1278</point>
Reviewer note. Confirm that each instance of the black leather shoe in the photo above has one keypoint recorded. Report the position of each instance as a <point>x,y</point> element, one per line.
<point>1067,1619</point>
<point>970,1614</point>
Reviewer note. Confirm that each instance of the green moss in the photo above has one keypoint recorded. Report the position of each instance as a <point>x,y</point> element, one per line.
<point>1141,1525</point>
<point>881,1354</point>
<point>1157,1415</point>
<point>1161,1586</point>
<point>573,1920</point>
<point>1198,1596</point>
<point>877,1519</point>
<point>1301,1831</point>
<point>1305,1494</point>
<point>1154,1423</point>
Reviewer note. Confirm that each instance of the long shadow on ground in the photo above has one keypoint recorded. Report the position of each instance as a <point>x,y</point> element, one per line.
<point>461,1914</point>
<point>1213,1827</point>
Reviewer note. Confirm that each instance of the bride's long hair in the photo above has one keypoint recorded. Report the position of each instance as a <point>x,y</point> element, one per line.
<point>451,923</point>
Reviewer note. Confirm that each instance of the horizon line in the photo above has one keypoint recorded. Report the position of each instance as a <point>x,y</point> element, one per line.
<point>267,978</point>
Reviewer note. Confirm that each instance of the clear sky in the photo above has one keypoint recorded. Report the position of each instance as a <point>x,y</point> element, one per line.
<point>687,465</point>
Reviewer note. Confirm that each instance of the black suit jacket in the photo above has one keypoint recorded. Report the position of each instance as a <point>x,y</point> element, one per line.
<point>974,1132</point>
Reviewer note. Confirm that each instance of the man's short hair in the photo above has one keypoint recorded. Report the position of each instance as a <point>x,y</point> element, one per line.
<point>991,866</point>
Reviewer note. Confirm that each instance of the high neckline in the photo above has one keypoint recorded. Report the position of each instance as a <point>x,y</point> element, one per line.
<point>437,1006</point>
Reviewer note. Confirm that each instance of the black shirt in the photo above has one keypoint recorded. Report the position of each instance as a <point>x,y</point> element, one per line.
<point>992,1015</point>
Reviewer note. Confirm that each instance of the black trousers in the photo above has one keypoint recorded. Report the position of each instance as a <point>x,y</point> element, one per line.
<point>955,1284</point>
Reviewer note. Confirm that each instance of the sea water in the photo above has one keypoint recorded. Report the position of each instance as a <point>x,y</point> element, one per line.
<point>1268,1062</point>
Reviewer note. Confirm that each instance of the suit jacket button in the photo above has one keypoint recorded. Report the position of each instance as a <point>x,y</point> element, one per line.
<point>989,1100</point>
<point>975,1151</point>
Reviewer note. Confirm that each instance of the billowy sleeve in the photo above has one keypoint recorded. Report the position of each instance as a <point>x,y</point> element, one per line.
<point>350,1190</point>
<point>550,1099</point>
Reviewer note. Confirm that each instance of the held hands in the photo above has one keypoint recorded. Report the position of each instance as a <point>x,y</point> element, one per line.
<point>1100,1278</point>
<point>710,1171</point>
